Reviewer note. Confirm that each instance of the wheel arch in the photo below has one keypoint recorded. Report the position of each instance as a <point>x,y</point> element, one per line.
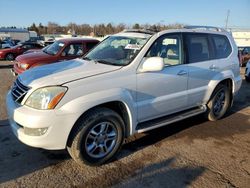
<point>14,55</point>
<point>119,107</point>
<point>226,81</point>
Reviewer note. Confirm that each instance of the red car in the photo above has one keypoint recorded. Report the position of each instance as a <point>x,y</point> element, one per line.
<point>64,49</point>
<point>245,56</point>
<point>10,53</point>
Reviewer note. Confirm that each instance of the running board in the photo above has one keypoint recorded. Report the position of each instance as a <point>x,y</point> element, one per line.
<point>159,122</point>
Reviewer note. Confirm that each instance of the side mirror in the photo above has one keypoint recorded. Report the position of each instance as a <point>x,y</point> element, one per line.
<point>152,64</point>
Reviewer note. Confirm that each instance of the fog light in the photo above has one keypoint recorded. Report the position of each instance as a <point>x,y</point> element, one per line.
<point>35,132</point>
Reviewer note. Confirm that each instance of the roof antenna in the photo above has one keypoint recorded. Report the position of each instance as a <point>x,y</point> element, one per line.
<point>228,14</point>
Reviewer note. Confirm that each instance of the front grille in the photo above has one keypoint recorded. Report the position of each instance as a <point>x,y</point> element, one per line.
<point>19,91</point>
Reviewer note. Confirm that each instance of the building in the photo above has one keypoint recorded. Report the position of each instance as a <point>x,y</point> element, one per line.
<point>17,34</point>
<point>241,37</point>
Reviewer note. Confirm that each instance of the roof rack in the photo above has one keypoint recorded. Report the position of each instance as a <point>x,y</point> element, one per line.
<point>145,31</point>
<point>205,28</point>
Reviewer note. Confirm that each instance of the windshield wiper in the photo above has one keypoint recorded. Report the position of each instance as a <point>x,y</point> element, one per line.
<point>86,58</point>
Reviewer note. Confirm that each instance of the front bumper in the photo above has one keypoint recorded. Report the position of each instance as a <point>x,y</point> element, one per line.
<point>17,70</point>
<point>58,123</point>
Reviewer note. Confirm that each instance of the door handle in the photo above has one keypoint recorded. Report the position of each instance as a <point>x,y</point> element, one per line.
<point>182,72</point>
<point>213,67</point>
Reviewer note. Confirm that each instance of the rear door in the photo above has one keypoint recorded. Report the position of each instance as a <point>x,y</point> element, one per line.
<point>164,92</point>
<point>206,55</point>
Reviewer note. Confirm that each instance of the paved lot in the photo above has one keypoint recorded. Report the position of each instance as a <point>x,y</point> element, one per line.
<point>191,153</point>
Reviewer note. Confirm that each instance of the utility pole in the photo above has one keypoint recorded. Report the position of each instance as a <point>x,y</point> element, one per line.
<point>228,14</point>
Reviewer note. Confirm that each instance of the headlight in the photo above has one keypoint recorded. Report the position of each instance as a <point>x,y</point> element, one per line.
<point>23,65</point>
<point>46,98</point>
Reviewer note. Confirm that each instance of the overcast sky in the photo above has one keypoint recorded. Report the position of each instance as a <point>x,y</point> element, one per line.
<point>23,13</point>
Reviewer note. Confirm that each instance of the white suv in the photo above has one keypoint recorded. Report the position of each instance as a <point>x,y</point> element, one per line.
<point>132,82</point>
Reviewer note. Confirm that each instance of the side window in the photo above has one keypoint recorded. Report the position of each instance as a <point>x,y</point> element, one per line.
<point>27,46</point>
<point>37,46</point>
<point>222,46</point>
<point>73,50</point>
<point>90,45</point>
<point>197,48</point>
<point>169,47</point>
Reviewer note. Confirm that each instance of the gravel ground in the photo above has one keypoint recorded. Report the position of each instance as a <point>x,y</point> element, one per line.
<point>190,153</point>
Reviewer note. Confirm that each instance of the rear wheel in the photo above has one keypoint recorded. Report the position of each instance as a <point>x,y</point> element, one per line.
<point>247,78</point>
<point>10,57</point>
<point>219,103</point>
<point>97,137</point>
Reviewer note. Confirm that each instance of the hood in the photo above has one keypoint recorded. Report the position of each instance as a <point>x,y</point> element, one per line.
<point>33,57</point>
<point>66,71</point>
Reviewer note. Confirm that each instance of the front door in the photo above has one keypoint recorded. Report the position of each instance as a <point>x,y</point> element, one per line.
<point>72,51</point>
<point>164,92</point>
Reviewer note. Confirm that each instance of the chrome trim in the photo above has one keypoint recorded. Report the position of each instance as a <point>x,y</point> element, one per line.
<point>18,91</point>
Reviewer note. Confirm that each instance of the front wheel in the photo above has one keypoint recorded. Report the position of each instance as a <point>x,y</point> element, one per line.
<point>219,103</point>
<point>10,57</point>
<point>97,137</point>
<point>247,78</point>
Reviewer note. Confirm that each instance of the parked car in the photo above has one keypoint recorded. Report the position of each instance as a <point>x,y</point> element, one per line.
<point>64,49</point>
<point>132,82</point>
<point>5,44</point>
<point>245,55</point>
<point>16,41</point>
<point>247,72</point>
<point>13,52</point>
<point>35,50</point>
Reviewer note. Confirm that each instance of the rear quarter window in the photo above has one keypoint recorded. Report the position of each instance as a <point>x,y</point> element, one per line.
<point>222,46</point>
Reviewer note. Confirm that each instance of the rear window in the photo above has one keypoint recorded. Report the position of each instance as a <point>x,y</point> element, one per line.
<point>222,46</point>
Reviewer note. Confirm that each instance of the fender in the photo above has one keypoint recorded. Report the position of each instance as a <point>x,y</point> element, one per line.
<point>228,74</point>
<point>82,104</point>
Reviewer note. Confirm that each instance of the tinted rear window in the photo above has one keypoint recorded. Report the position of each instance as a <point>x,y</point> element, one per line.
<point>222,46</point>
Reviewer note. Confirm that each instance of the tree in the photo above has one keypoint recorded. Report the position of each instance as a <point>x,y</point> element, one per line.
<point>136,26</point>
<point>33,28</point>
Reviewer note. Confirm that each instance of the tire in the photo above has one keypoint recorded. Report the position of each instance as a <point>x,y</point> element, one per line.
<point>10,57</point>
<point>247,78</point>
<point>96,137</point>
<point>219,103</point>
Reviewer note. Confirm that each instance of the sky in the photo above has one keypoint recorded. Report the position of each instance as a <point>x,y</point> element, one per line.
<point>22,13</point>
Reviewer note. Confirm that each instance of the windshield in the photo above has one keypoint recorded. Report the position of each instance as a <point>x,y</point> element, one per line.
<point>54,48</point>
<point>117,50</point>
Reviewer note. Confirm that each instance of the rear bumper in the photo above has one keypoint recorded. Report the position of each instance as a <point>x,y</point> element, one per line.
<point>237,84</point>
